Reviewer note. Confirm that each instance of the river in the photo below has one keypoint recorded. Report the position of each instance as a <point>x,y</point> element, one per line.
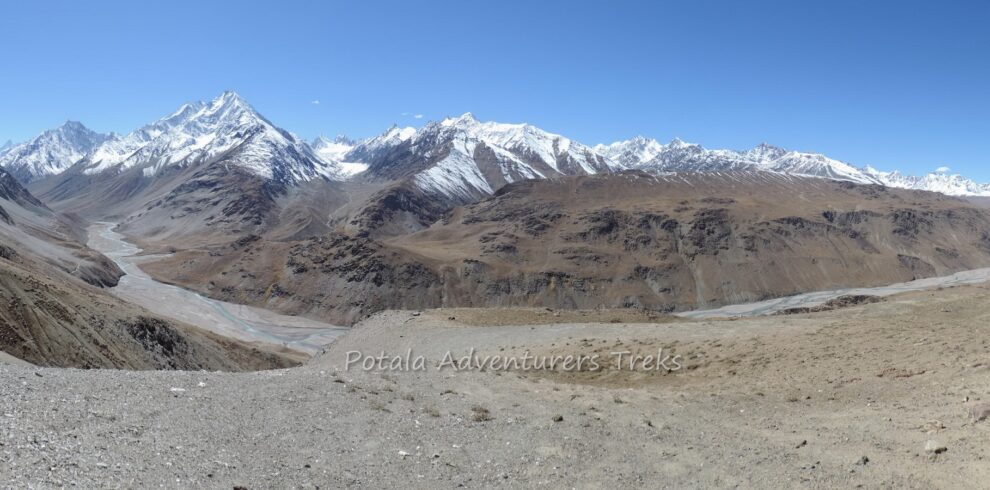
<point>242,322</point>
<point>309,336</point>
<point>771,306</point>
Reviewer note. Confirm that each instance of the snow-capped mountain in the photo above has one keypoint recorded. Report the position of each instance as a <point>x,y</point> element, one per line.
<point>765,152</point>
<point>375,147</point>
<point>678,156</point>
<point>817,165</point>
<point>631,152</point>
<point>226,129</point>
<point>462,158</point>
<point>6,146</point>
<point>51,152</point>
<point>458,157</point>
<point>647,154</point>
<point>944,182</point>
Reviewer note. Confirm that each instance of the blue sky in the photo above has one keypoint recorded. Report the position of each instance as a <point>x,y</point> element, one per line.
<point>895,84</point>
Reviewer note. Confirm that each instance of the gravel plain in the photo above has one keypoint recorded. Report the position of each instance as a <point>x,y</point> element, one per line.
<point>886,395</point>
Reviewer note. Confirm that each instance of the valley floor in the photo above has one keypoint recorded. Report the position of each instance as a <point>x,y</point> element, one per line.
<point>838,399</point>
<point>295,336</point>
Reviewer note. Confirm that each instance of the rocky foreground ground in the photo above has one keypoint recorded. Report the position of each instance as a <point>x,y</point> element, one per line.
<point>883,395</point>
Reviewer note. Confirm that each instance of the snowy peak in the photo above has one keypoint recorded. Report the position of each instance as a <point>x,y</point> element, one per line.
<point>678,156</point>
<point>229,98</point>
<point>944,182</point>
<point>630,153</point>
<point>529,145</point>
<point>465,120</point>
<point>765,153</point>
<point>51,152</point>
<point>231,110</point>
<point>816,165</point>
<point>186,112</point>
<point>376,147</point>
<point>226,129</point>
<point>399,134</point>
<point>463,158</point>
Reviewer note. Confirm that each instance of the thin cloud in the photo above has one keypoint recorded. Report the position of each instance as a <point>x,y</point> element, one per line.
<point>943,170</point>
<point>418,116</point>
<point>315,102</point>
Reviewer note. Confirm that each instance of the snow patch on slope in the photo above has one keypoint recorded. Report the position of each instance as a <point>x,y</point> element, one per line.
<point>456,176</point>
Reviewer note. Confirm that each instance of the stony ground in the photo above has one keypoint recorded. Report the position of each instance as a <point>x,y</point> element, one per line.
<point>881,395</point>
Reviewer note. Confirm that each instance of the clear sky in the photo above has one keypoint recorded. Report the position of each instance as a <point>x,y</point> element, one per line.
<point>895,84</point>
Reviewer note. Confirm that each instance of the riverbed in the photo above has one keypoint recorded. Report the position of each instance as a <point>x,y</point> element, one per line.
<point>816,298</point>
<point>260,325</point>
<point>242,322</point>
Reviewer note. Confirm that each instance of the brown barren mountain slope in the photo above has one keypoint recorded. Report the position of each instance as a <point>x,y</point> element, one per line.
<point>50,319</point>
<point>53,312</point>
<point>662,243</point>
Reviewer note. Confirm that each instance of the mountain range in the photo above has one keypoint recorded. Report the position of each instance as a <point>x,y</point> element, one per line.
<point>677,156</point>
<point>458,158</point>
<point>461,212</point>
